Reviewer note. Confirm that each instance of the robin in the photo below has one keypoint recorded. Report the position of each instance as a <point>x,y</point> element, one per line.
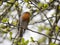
<point>24,20</point>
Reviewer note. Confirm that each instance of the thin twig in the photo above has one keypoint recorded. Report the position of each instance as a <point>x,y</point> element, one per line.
<point>43,34</point>
<point>15,38</point>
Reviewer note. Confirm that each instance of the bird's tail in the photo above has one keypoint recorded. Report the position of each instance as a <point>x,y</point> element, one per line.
<point>21,33</point>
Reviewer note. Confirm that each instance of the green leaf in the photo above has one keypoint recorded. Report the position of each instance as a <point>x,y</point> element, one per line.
<point>45,5</point>
<point>5,20</point>
<point>57,28</point>
<point>52,44</point>
<point>47,28</point>
<point>18,43</point>
<point>1,25</point>
<point>16,3</point>
<point>32,39</point>
<point>26,0</point>
<point>39,4</point>
<point>26,42</point>
<point>1,2</point>
<point>22,40</point>
<point>7,29</point>
<point>12,1</point>
<point>51,20</point>
<point>51,0</point>
<point>10,35</point>
<point>41,28</point>
<point>15,41</point>
<point>43,39</point>
<point>59,7</point>
<point>14,23</point>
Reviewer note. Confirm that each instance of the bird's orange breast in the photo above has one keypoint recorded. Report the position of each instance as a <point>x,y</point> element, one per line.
<point>26,16</point>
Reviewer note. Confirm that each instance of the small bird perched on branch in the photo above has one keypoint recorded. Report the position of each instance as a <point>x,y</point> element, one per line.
<point>24,20</point>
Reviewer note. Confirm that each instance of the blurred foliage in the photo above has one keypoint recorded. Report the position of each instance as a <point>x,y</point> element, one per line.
<point>10,35</point>
<point>51,0</point>
<point>12,1</point>
<point>26,1</point>
<point>42,39</point>
<point>35,8</point>
<point>15,22</point>
<point>41,28</point>
<point>52,44</point>
<point>23,42</point>
<point>32,39</point>
<point>39,5</point>
<point>59,7</point>
<point>0,3</point>
<point>5,20</point>
<point>45,5</point>
<point>16,3</point>
<point>57,29</point>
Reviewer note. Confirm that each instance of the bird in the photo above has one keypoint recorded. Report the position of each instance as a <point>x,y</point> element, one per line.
<point>24,21</point>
